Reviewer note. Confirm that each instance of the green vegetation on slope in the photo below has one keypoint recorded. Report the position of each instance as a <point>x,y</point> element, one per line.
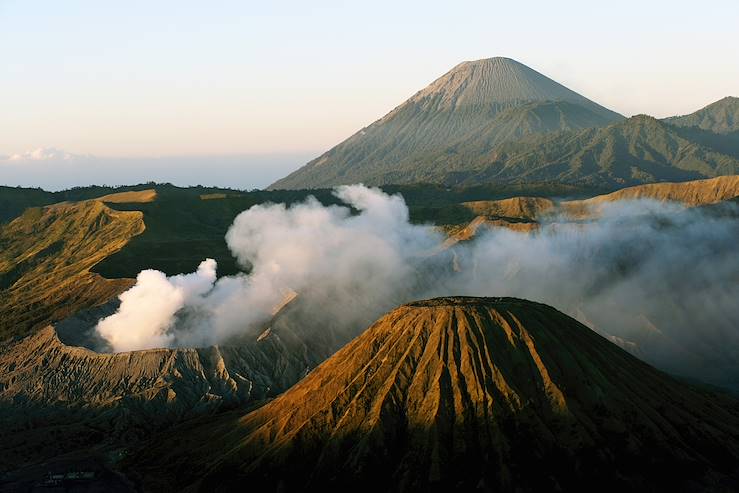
<point>635,151</point>
<point>45,257</point>
<point>494,121</point>
<point>14,200</point>
<point>490,100</point>
<point>725,143</point>
<point>186,225</point>
<point>721,117</point>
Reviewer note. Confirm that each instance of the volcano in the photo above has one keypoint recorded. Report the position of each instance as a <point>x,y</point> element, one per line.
<point>462,394</point>
<point>491,100</point>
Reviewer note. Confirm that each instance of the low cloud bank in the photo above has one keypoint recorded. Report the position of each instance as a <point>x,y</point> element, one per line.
<point>43,154</point>
<point>659,279</point>
<point>55,169</point>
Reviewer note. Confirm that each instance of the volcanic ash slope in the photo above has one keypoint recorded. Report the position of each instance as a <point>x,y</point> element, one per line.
<point>458,394</point>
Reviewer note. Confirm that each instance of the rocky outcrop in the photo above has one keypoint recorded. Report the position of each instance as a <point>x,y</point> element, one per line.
<point>134,196</point>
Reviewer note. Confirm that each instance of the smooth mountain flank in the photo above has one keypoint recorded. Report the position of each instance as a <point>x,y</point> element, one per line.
<point>495,98</point>
<point>496,121</point>
<point>459,394</point>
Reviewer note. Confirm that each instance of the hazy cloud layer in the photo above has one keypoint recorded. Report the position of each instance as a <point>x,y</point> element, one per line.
<point>42,154</point>
<point>55,169</point>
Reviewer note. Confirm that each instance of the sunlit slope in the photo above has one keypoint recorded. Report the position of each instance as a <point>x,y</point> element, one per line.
<point>454,394</point>
<point>14,200</point>
<point>693,193</point>
<point>45,257</point>
<point>129,197</point>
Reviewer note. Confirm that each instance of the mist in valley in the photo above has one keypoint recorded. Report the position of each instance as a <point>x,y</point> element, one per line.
<point>658,279</point>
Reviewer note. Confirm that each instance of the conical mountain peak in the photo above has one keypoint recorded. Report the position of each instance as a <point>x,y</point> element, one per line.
<point>497,80</point>
<point>464,394</point>
<point>462,104</point>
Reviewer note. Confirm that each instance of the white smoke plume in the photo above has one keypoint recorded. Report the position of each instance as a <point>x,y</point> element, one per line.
<point>659,279</point>
<point>342,259</point>
<point>147,312</point>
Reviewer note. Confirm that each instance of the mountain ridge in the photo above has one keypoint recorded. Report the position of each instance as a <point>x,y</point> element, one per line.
<point>721,117</point>
<point>46,257</point>
<point>498,80</point>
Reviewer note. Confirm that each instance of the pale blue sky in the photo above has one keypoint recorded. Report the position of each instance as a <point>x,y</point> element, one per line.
<point>144,79</point>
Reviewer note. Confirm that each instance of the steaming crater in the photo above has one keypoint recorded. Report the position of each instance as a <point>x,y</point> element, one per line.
<point>659,279</point>
<point>430,387</point>
<point>79,329</point>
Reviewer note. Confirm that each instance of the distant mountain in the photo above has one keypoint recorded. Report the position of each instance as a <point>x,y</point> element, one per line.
<point>715,126</point>
<point>465,394</point>
<point>639,150</point>
<point>721,117</point>
<point>486,101</point>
